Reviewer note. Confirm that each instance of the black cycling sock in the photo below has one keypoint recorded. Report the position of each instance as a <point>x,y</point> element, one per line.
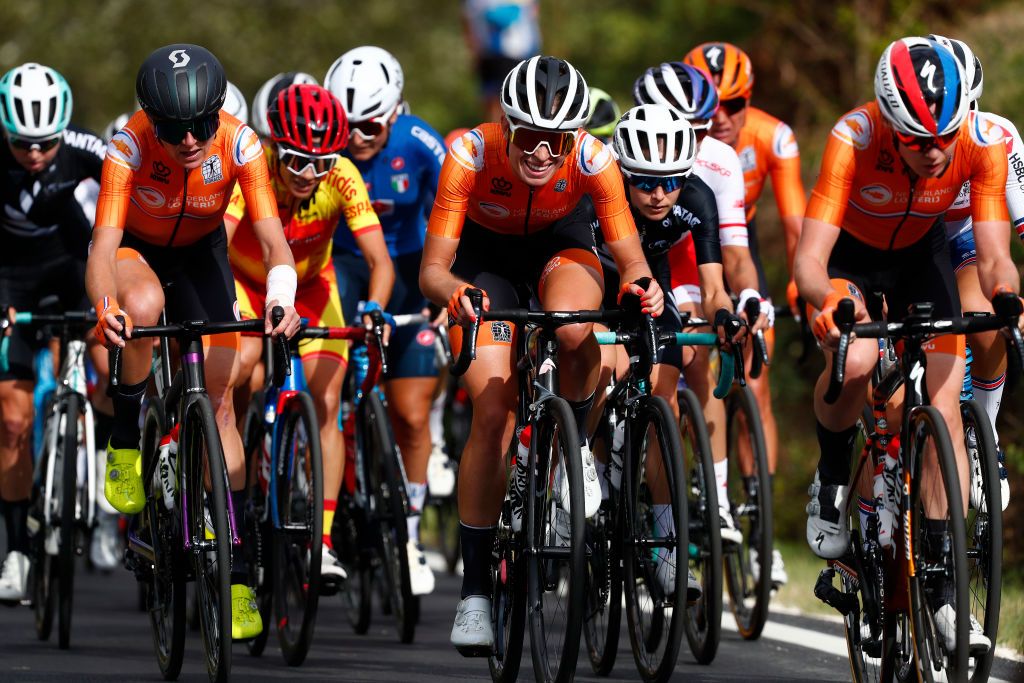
<point>15,521</point>
<point>104,426</point>
<point>836,451</point>
<point>477,543</point>
<point>580,411</point>
<point>7,520</point>
<point>239,566</point>
<point>940,589</point>
<point>124,432</point>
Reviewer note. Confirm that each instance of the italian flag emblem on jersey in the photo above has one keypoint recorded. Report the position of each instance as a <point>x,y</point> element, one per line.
<point>400,182</point>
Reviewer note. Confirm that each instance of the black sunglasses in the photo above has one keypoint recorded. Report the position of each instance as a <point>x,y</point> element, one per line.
<point>734,106</point>
<point>28,144</point>
<point>173,132</point>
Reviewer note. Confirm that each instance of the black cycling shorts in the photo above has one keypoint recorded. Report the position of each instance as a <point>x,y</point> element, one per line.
<point>197,279</point>
<point>23,287</point>
<point>510,267</point>
<point>920,272</point>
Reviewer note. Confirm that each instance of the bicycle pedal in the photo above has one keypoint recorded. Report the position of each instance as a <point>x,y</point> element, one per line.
<point>844,603</point>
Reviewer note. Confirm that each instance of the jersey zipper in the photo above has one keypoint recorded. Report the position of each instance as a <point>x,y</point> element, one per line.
<point>526,221</point>
<point>181,214</point>
<point>906,214</point>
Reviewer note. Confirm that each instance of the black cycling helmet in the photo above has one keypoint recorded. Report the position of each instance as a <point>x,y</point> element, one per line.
<point>181,82</point>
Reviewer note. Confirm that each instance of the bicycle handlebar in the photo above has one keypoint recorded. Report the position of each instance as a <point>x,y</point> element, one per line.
<point>759,353</point>
<point>1007,307</point>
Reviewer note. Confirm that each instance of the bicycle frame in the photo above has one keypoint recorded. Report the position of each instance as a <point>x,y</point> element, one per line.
<point>276,398</point>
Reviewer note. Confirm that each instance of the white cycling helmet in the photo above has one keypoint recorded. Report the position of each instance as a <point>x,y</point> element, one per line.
<point>682,87</point>
<point>234,103</point>
<point>546,93</point>
<point>368,80</point>
<point>116,125</point>
<point>268,91</point>
<point>913,76</point>
<point>969,61</point>
<point>35,102</point>
<point>653,139</point>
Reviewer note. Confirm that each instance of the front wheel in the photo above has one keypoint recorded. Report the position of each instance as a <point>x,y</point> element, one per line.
<point>209,541</point>
<point>938,576</point>
<point>298,530</point>
<point>655,531</point>
<point>69,416</point>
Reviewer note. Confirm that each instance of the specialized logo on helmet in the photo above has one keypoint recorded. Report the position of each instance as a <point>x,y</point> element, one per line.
<point>854,129</point>
<point>179,58</point>
<point>928,73</point>
<point>468,150</point>
<point>247,146</point>
<point>876,194</point>
<point>594,155</point>
<point>713,54</point>
<point>123,150</point>
<point>784,143</point>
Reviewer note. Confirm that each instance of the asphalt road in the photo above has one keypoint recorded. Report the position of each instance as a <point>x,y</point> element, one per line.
<point>111,640</point>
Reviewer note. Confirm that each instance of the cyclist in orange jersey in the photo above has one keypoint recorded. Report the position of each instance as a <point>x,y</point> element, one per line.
<point>891,168</point>
<point>506,218</point>
<point>313,187</point>
<point>166,182</point>
<point>766,147</point>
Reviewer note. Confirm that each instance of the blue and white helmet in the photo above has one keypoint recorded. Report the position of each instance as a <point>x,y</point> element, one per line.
<point>35,102</point>
<point>685,88</point>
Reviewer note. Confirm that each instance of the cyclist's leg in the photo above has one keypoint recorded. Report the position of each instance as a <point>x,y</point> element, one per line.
<point>988,367</point>
<point>250,300</point>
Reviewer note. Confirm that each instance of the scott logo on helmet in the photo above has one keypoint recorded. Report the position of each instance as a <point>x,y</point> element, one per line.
<point>179,58</point>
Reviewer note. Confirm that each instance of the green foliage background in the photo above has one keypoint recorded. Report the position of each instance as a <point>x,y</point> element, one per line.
<point>813,61</point>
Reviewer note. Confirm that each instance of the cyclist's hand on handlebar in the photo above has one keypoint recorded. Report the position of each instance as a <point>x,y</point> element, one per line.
<point>435,321</point>
<point>109,331</point>
<point>1002,289</point>
<point>8,324</point>
<point>289,324</point>
<point>792,297</point>
<point>766,317</point>
<point>460,308</point>
<point>824,326</point>
<point>730,327</point>
<point>652,299</point>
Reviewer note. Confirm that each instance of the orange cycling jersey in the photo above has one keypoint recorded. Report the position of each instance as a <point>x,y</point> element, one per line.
<point>865,189</point>
<point>144,191</point>
<point>308,224</point>
<point>477,180</point>
<point>766,146</point>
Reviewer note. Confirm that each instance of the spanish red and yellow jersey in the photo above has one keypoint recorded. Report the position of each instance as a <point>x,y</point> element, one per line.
<point>767,147</point>
<point>477,180</point>
<point>308,224</point>
<point>865,189</point>
<point>145,192</point>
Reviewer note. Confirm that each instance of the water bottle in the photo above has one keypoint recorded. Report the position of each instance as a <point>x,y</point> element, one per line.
<point>618,428</point>
<point>167,460</point>
<point>46,383</point>
<point>519,478</point>
<point>360,359</point>
<point>886,491</point>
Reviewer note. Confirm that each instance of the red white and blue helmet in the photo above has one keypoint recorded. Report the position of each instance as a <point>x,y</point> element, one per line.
<point>921,88</point>
<point>685,88</point>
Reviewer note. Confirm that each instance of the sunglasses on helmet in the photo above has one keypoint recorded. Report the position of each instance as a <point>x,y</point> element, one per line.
<point>649,183</point>
<point>297,162</point>
<point>924,143</point>
<point>173,132</point>
<point>29,144</point>
<point>370,128</point>
<point>529,140</point>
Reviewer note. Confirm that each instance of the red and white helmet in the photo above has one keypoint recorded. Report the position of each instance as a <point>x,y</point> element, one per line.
<point>921,88</point>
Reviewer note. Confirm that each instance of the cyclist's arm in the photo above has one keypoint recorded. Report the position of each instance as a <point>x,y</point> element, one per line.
<point>100,270</point>
<point>111,215</point>
<point>810,266</point>
<point>436,281</point>
<point>991,219</point>
<point>995,267</point>
<point>712,288</point>
<point>382,270</point>
<point>791,226</point>
<point>788,187</point>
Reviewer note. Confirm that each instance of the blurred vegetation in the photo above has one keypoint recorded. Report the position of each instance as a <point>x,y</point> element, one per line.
<point>813,61</point>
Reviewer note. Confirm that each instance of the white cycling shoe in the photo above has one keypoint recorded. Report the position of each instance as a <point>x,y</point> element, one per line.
<point>591,485</point>
<point>472,634</point>
<point>727,526</point>
<point>440,473</point>
<point>332,573</point>
<point>827,533</point>
<point>14,577</point>
<point>105,546</point>
<point>945,627</point>
<point>421,577</point>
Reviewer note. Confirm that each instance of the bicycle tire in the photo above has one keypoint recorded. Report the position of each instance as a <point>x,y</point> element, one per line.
<point>449,542</point>
<point>655,644</point>
<point>70,407</point>
<point>256,527</point>
<point>926,422</point>
<point>603,615</point>
<point>164,593</point>
<point>555,439</point>
<point>984,536</point>
<point>43,570</point>
<point>751,507</point>
<point>298,540</point>
<point>387,486</point>
<point>704,619</point>
<point>354,552</point>
<point>200,445</point>
<point>508,607</point>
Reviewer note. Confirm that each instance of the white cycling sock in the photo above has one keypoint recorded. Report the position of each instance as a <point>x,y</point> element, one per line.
<point>989,393</point>
<point>722,479</point>
<point>417,494</point>
<point>866,510</point>
<point>437,419</point>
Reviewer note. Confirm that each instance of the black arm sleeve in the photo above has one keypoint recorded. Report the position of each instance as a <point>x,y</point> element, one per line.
<point>701,212</point>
